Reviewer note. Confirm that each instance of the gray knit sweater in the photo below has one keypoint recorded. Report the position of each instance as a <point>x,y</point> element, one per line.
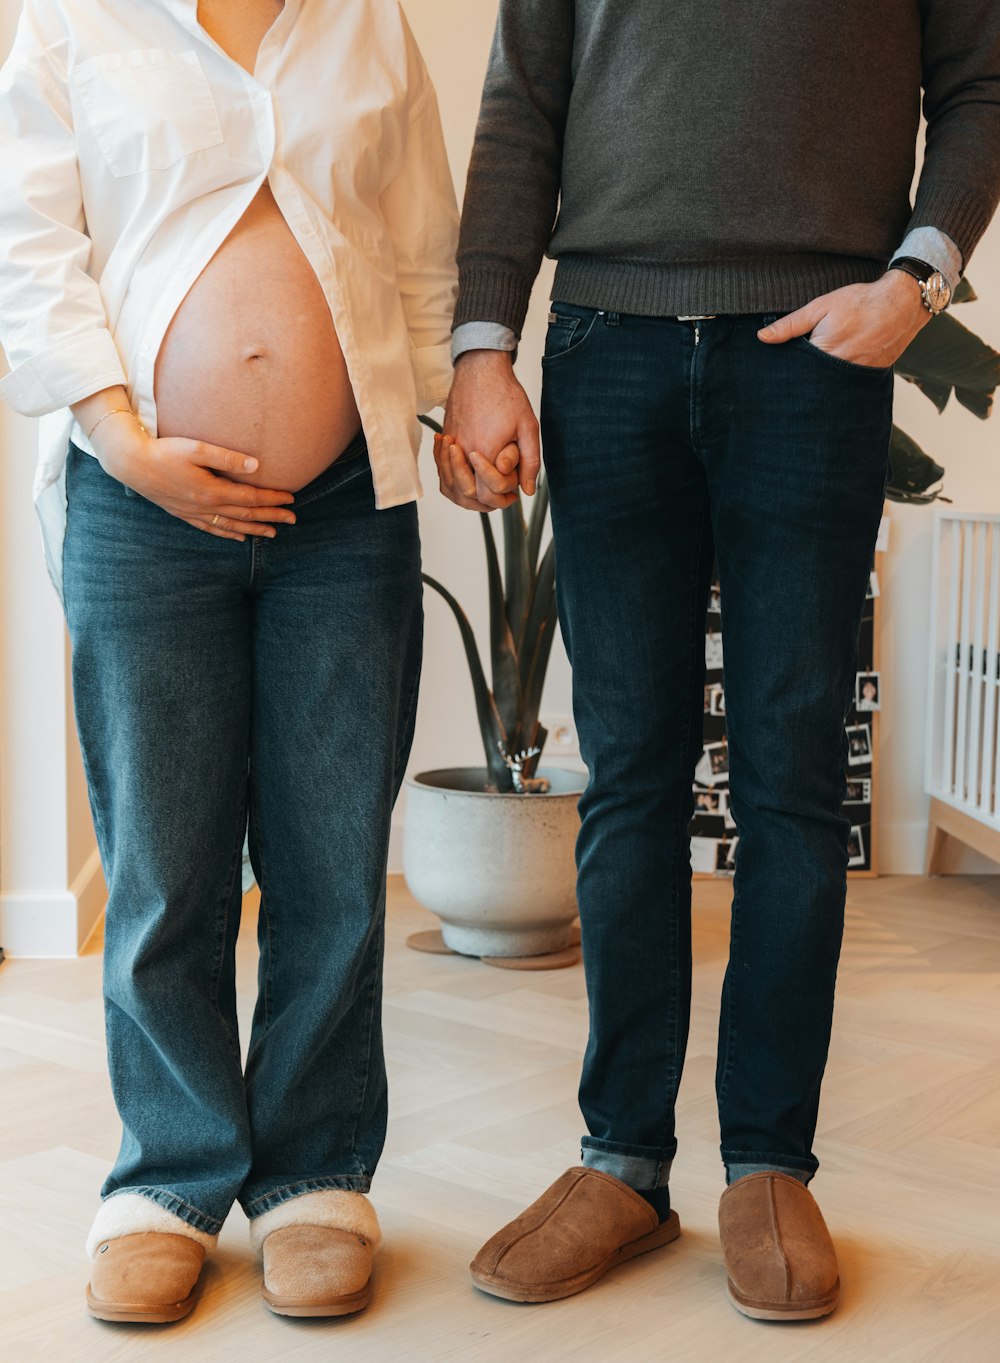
<point>706,156</point>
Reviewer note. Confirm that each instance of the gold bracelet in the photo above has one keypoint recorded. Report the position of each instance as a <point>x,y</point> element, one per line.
<point>115,412</point>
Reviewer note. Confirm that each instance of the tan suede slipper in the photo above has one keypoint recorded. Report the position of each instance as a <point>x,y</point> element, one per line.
<point>316,1271</point>
<point>584,1225</point>
<point>149,1277</point>
<point>779,1256</point>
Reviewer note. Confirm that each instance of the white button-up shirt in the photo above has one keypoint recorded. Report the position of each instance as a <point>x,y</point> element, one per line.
<point>130,146</point>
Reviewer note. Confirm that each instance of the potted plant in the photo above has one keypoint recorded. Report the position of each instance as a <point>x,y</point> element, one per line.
<point>490,849</point>
<point>944,358</point>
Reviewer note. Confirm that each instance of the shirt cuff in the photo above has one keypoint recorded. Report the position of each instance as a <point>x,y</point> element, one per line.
<point>64,373</point>
<point>938,249</point>
<point>481,336</point>
<point>432,375</point>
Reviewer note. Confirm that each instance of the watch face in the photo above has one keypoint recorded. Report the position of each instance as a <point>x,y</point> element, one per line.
<point>937,292</point>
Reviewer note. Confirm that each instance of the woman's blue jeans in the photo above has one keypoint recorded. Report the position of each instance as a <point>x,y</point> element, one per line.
<point>669,444</point>
<point>216,683</point>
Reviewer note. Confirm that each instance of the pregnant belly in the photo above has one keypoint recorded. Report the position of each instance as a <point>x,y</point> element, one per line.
<point>251,359</point>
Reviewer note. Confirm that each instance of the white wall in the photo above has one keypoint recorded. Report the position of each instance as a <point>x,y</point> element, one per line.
<point>51,888</point>
<point>46,843</point>
<point>455,39</point>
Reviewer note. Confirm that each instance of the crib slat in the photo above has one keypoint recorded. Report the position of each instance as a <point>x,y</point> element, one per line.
<point>990,801</point>
<point>951,660</point>
<point>962,668</point>
<point>977,662</point>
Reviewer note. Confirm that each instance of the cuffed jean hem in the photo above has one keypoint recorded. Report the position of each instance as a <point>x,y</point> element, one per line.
<point>638,1167</point>
<point>740,1163</point>
<point>211,1225</point>
<point>266,1202</point>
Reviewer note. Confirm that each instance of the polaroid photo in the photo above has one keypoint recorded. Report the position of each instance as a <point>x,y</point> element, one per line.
<point>717,701</point>
<point>859,745</point>
<point>708,700</point>
<point>730,822</point>
<point>874,589</point>
<point>708,801</point>
<point>868,691</point>
<point>731,854</point>
<point>713,651</point>
<point>715,600</point>
<point>856,847</point>
<point>713,765</point>
<point>704,855</point>
<point>859,791</point>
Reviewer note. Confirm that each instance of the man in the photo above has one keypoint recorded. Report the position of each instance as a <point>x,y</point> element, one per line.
<point>723,188</point>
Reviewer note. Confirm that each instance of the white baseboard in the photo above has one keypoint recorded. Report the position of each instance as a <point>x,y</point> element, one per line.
<point>58,924</point>
<point>903,846</point>
<point>91,894</point>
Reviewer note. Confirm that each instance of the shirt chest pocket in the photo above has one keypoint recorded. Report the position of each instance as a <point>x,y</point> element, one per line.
<point>147,109</point>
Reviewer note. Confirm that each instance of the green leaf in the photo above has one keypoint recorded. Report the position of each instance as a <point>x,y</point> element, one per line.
<point>964,293</point>
<point>945,355</point>
<point>506,677</point>
<point>913,471</point>
<point>517,573</point>
<point>938,395</point>
<point>542,604</point>
<point>490,724</point>
<point>536,525</point>
<point>538,638</point>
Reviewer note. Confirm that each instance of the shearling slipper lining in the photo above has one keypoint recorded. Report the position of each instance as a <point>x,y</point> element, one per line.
<point>131,1214</point>
<point>334,1207</point>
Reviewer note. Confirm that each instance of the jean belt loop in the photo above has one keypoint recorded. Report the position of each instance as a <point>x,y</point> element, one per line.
<point>612,319</point>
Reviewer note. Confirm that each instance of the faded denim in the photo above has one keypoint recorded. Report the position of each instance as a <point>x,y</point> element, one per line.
<point>218,683</point>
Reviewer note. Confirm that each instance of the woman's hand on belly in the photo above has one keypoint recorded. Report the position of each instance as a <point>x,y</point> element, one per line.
<point>187,478</point>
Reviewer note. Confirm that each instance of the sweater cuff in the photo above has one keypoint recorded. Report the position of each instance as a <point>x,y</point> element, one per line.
<point>954,210</point>
<point>490,295</point>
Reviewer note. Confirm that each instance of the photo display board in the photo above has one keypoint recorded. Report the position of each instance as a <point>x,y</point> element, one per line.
<point>714,835</point>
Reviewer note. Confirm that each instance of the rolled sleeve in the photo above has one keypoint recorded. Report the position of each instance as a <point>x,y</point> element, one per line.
<point>63,374</point>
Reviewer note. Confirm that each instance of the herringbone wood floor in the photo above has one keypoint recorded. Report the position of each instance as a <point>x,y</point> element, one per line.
<point>484,1066</point>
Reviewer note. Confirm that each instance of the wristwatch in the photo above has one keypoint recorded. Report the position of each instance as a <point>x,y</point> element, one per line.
<point>934,288</point>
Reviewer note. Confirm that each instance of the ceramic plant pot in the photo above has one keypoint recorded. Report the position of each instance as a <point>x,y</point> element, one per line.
<point>498,870</point>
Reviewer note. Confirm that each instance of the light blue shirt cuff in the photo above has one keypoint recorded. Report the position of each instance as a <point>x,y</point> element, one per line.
<point>938,249</point>
<point>481,336</point>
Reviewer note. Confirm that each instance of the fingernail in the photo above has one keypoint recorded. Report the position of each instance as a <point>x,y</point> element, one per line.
<point>249,464</point>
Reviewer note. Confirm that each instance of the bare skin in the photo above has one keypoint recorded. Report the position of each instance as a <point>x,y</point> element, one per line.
<point>251,385</point>
<point>868,324</point>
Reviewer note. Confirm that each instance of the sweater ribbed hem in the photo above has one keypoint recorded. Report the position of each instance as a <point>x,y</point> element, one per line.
<point>952,209</point>
<point>768,284</point>
<point>489,295</point>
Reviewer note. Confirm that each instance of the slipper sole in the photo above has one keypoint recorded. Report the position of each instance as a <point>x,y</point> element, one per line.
<point>137,1314</point>
<point>501,1287</point>
<point>295,1306</point>
<point>812,1310</point>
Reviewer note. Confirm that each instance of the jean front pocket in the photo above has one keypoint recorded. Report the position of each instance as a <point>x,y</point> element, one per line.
<point>848,366</point>
<point>147,109</point>
<point>569,330</point>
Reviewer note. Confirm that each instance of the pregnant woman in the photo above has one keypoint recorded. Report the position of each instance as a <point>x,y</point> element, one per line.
<point>227,236</point>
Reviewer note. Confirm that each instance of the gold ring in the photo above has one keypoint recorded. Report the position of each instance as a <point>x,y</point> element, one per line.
<point>215,519</point>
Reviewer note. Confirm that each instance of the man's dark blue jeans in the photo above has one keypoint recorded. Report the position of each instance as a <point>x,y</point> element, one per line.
<point>669,444</point>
